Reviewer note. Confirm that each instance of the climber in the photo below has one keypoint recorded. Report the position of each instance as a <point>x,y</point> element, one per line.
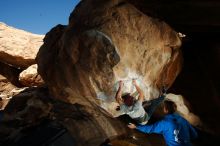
<point>175,129</point>
<point>134,108</point>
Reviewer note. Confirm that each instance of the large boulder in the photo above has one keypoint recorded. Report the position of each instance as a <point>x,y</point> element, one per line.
<point>18,47</point>
<point>102,44</point>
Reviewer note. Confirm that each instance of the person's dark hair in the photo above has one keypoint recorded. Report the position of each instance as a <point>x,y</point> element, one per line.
<point>128,99</point>
<point>170,106</point>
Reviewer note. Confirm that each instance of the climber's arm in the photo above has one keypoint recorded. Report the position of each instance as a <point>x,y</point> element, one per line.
<point>119,93</point>
<point>140,92</point>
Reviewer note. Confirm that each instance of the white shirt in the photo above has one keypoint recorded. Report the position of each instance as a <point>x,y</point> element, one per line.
<point>134,111</point>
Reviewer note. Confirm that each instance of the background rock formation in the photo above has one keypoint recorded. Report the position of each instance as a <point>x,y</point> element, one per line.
<point>102,44</point>
<point>17,47</point>
<point>18,50</point>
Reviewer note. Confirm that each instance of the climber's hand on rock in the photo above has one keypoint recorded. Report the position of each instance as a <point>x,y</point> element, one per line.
<point>121,84</point>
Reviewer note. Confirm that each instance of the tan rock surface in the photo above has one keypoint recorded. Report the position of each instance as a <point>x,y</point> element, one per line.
<point>18,47</point>
<point>7,90</point>
<point>5,85</point>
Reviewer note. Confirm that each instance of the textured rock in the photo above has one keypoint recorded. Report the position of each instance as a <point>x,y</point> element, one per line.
<point>7,90</point>
<point>17,47</point>
<point>105,43</point>
<point>30,77</point>
<point>5,85</point>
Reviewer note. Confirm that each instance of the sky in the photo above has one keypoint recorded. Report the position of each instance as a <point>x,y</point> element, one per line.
<point>36,16</point>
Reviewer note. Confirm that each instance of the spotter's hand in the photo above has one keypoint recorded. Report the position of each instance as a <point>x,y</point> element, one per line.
<point>131,126</point>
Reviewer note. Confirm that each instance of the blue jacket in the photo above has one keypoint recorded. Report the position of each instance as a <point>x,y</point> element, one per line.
<point>175,130</point>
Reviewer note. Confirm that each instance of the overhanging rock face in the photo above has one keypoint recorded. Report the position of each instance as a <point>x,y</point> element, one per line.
<point>104,42</point>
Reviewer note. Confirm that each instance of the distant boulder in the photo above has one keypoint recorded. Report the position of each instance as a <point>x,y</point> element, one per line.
<point>18,48</point>
<point>30,77</point>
